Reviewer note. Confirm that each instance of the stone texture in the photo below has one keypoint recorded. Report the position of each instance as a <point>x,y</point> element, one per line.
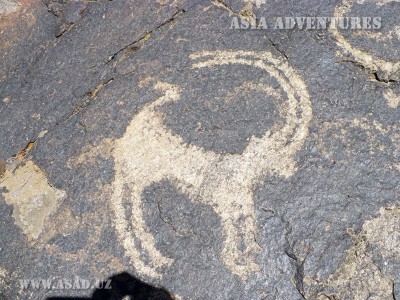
<point>75,74</point>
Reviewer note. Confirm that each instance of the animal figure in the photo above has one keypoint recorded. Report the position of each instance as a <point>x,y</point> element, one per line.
<point>149,152</point>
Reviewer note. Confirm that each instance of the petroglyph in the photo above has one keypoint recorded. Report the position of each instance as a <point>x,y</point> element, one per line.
<point>359,277</point>
<point>150,152</point>
<point>389,69</point>
<point>31,196</point>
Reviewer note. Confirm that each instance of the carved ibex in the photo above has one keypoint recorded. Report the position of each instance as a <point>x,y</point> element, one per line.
<point>149,152</point>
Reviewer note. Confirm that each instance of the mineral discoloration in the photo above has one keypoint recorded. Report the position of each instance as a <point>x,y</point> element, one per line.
<point>2,168</point>
<point>20,11</point>
<point>33,199</point>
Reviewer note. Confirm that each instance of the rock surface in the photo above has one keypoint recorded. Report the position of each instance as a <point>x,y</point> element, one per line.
<point>151,138</point>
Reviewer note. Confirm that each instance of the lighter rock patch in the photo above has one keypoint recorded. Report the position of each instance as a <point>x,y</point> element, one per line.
<point>359,277</point>
<point>31,196</point>
<point>8,6</point>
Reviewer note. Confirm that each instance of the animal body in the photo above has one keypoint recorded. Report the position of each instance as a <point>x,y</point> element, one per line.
<point>150,152</point>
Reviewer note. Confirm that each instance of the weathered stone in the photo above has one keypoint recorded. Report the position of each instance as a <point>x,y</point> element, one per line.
<point>215,163</point>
